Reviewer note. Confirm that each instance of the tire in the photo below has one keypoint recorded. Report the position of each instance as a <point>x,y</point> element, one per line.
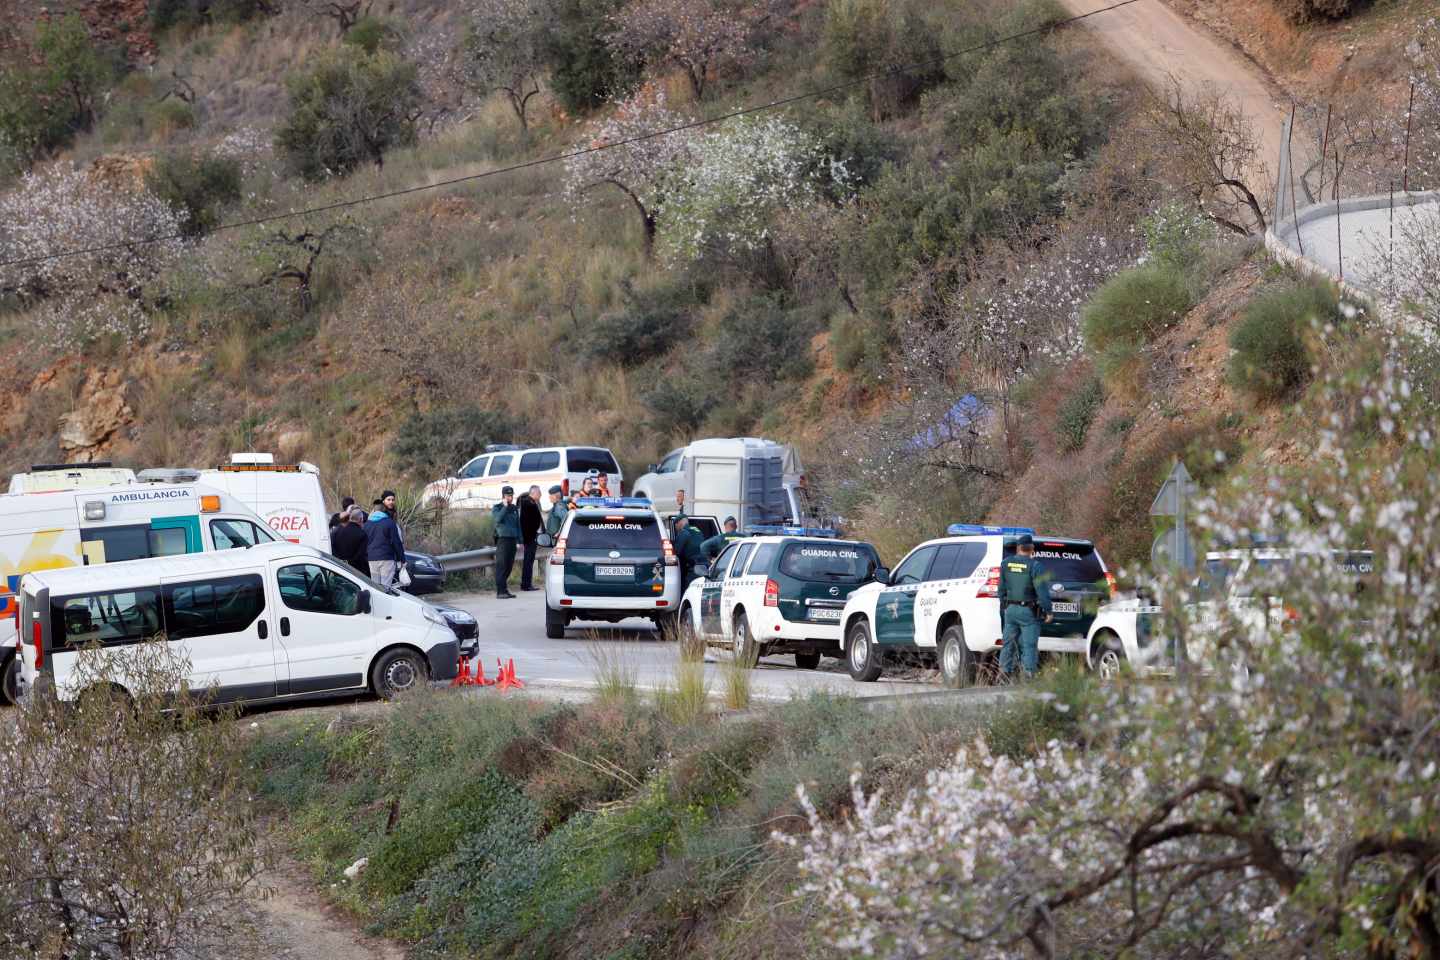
<point>1107,656</point>
<point>692,644</point>
<point>554,624</point>
<point>957,663</point>
<point>807,661</point>
<point>10,680</point>
<point>747,651</point>
<point>398,672</point>
<point>861,657</point>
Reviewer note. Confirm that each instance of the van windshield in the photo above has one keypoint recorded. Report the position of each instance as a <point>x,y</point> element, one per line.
<point>614,533</point>
<point>828,562</point>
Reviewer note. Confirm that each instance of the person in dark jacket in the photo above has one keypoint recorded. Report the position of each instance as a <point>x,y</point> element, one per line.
<point>532,519</point>
<point>507,533</point>
<point>385,548</point>
<point>687,550</point>
<point>716,545</point>
<point>348,541</point>
<point>337,518</point>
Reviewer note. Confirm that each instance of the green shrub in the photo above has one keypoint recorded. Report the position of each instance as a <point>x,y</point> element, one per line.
<point>585,71</point>
<point>865,147</point>
<point>165,14</point>
<point>679,403</point>
<point>645,326</point>
<point>1271,359</point>
<point>1303,11</point>
<point>1133,308</point>
<point>42,107</point>
<point>438,442</point>
<point>1078,412</point>
<point>760,340</point>
<point>866,37</point>
<point>169,117</point>
<point>861,345</point>
<point>199,186</point>
<point>1176,236</point>
<point>349,108</point>
<point>372,34</point>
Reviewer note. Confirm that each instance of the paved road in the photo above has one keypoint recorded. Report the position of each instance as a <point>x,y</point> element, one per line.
<point>516,628</point>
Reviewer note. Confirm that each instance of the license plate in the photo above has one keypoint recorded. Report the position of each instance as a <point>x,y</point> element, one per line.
<point>1065,606</point>
<point>821,613</point>
<point>614,571</point>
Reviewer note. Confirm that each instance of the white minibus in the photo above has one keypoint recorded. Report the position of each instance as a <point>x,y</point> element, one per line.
<point>277,622</point>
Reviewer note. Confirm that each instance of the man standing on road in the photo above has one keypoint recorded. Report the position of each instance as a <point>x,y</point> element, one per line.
<point>531,520</point>
<point>348,541</point>
<point>507,533</point>
<point>1024,595</point>
<point>384,547</point>
<point>558,509</point>
<point>715,546</point>
<point>687,550</point>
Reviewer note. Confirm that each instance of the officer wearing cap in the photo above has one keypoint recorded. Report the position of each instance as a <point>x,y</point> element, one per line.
<point>558,509</point>
<point>507,533</point>
<point>715,546</point>
<point>1024,596</point>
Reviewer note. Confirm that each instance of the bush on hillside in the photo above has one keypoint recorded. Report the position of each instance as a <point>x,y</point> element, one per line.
<point>349,108</point>
<point>679,403</point>
<point>42,107</point>
<point>199,187</point>
<point>585,70</point>
<point>648,324</point>
<point>165,14</point>
<point>760,340</point>
<point>1078,412</point>
<point>373,34</point>
<point>1135,307</point>
<point>437,443</point>
<point>850,137</point>
<point>865,37</point>
<point>1271,359</point>
<point>1303,11</point>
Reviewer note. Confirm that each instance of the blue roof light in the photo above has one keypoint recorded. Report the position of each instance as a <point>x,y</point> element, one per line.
<point>985,529</point>
<point>614,503</point>
<point>762,530</point>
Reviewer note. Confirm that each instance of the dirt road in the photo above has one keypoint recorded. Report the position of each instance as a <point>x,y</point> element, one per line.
<point>295,923</point>
<point>1157,42</point>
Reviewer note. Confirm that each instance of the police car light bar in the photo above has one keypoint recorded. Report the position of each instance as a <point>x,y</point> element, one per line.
<point>640,503</point>
<point>985,529</point>
<point>761,530</point>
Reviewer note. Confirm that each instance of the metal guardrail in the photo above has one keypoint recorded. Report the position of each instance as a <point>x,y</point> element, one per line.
<point>482,559</point>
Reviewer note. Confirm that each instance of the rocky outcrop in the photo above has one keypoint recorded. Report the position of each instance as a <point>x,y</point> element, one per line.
<point>89,429</point>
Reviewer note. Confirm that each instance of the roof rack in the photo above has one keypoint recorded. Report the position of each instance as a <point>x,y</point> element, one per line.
<point>986,530</point>
<point>637,503</point>
<point>772,530</point>
<point>53,467</point>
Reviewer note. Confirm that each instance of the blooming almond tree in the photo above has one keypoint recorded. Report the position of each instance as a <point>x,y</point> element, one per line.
<point>697,36</point>
<point>504,50</point>
<point>639,164</point>
<point>1281,802</point>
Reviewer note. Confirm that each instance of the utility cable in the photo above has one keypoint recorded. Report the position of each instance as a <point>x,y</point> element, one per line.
<point>560,157</point>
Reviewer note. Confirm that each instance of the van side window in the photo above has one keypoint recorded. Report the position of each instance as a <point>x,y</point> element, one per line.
<point>499,466</point>
<point>210,607</point>
<point>230,534</point>
<point>956,561</point>
<point>314,589</point>
<point>538,460</point>
<point>738,568</point>
<point>109,619</point>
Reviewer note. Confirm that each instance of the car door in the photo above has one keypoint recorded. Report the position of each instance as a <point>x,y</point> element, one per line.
<point>710,622</point>
<point>895,607</point>
<point>222,626</point>
<point>734,590</point>
<point>325,635</point>
<point>953,563</point>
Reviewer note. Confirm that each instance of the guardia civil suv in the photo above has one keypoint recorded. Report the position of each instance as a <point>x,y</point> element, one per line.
<point>780,590</point>
<point>612,560</point>
<point>942,602</point>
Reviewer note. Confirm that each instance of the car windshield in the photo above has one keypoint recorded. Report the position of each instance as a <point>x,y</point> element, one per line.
<point>614,533</point>
<point>1067,561</point>
<point>829,562</point>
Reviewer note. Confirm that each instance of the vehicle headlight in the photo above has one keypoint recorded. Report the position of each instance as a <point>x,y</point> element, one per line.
<point>435,617</point>
<point>426,564</point>
<point>458,616</point>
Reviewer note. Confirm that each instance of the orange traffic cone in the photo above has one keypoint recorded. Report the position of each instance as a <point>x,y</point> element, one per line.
<point>479,679</point>
<point>508,678</point>
<point>462,679</point>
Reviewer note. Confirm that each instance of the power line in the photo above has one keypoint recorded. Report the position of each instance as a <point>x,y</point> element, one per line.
<point>560,157</point>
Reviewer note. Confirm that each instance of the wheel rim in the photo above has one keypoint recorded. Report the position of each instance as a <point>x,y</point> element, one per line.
<point>859,650</point>
<point>950,659</point>
<point>400,675</point>
<point>1109,666</point>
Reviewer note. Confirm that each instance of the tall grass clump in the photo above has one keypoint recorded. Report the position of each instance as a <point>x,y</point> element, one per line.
<point>1078,412</point>
<point>1271,358</point>
<point>614,674</point>
<point>686,699</point>
<point>737,675</point>
<point>1129,311</point>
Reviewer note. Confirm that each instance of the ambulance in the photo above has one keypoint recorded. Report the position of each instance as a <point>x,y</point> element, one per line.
<point>74,528</point>
<point>70,476</point>
<point>286,496</point>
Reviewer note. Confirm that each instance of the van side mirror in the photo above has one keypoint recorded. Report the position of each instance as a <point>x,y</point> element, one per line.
<point>364,601</point>
<point>882,575</point>
<point>702,569</point>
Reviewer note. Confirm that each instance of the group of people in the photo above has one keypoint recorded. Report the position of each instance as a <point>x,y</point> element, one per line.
<point>371,543</point>
<point>691,547</point>
<point>519,525</point>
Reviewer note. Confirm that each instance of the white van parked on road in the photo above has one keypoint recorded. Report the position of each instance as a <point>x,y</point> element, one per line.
<point>277,622</point>
<point>477,485</point>
<point>81,528</point>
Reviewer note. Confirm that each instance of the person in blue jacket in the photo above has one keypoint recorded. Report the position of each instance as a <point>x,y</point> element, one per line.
<point>384,546</point>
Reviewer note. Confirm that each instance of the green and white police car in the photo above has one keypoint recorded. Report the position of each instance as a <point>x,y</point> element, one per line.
<point>942,602</point>
<point>612,560</point>
<point>780,590</point>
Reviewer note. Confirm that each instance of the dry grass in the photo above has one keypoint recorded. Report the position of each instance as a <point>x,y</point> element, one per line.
<point>738,676</point>
<point>687,699</point>
<point>233,357</point>
<point>614,673</point>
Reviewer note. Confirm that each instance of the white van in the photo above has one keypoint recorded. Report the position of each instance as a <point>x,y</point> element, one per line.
<point>477,485</point>
<point>286,496</point>
<point>77,528</point>
<point>70,476</point>
<point>277,622</point>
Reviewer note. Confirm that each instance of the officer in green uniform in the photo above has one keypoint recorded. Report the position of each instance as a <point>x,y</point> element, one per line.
<point>688,550</point>
<point>559,507</point>
<point>507,533</point>
<point>1024,596</point>
<point>715,546</point>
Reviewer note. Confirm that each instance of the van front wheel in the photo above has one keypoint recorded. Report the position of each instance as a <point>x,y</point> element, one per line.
<point>10,680</point>
<point>397,672</point>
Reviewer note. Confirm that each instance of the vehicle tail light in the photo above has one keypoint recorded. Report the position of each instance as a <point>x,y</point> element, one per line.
<point>1292,616</point>
<point>992,585</point>
<point>1110,582</point>
<point>565,487</point>
<point>772,593</point>
<point>37,637</point>
<point>670,559</point>
<point>557,555</point>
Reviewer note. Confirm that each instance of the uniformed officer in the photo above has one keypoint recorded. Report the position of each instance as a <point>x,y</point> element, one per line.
<point>715,546</point>
<point>1024,595</point>
<point>507,533</point>
<point>559,507</point>
<point>688,550</point>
